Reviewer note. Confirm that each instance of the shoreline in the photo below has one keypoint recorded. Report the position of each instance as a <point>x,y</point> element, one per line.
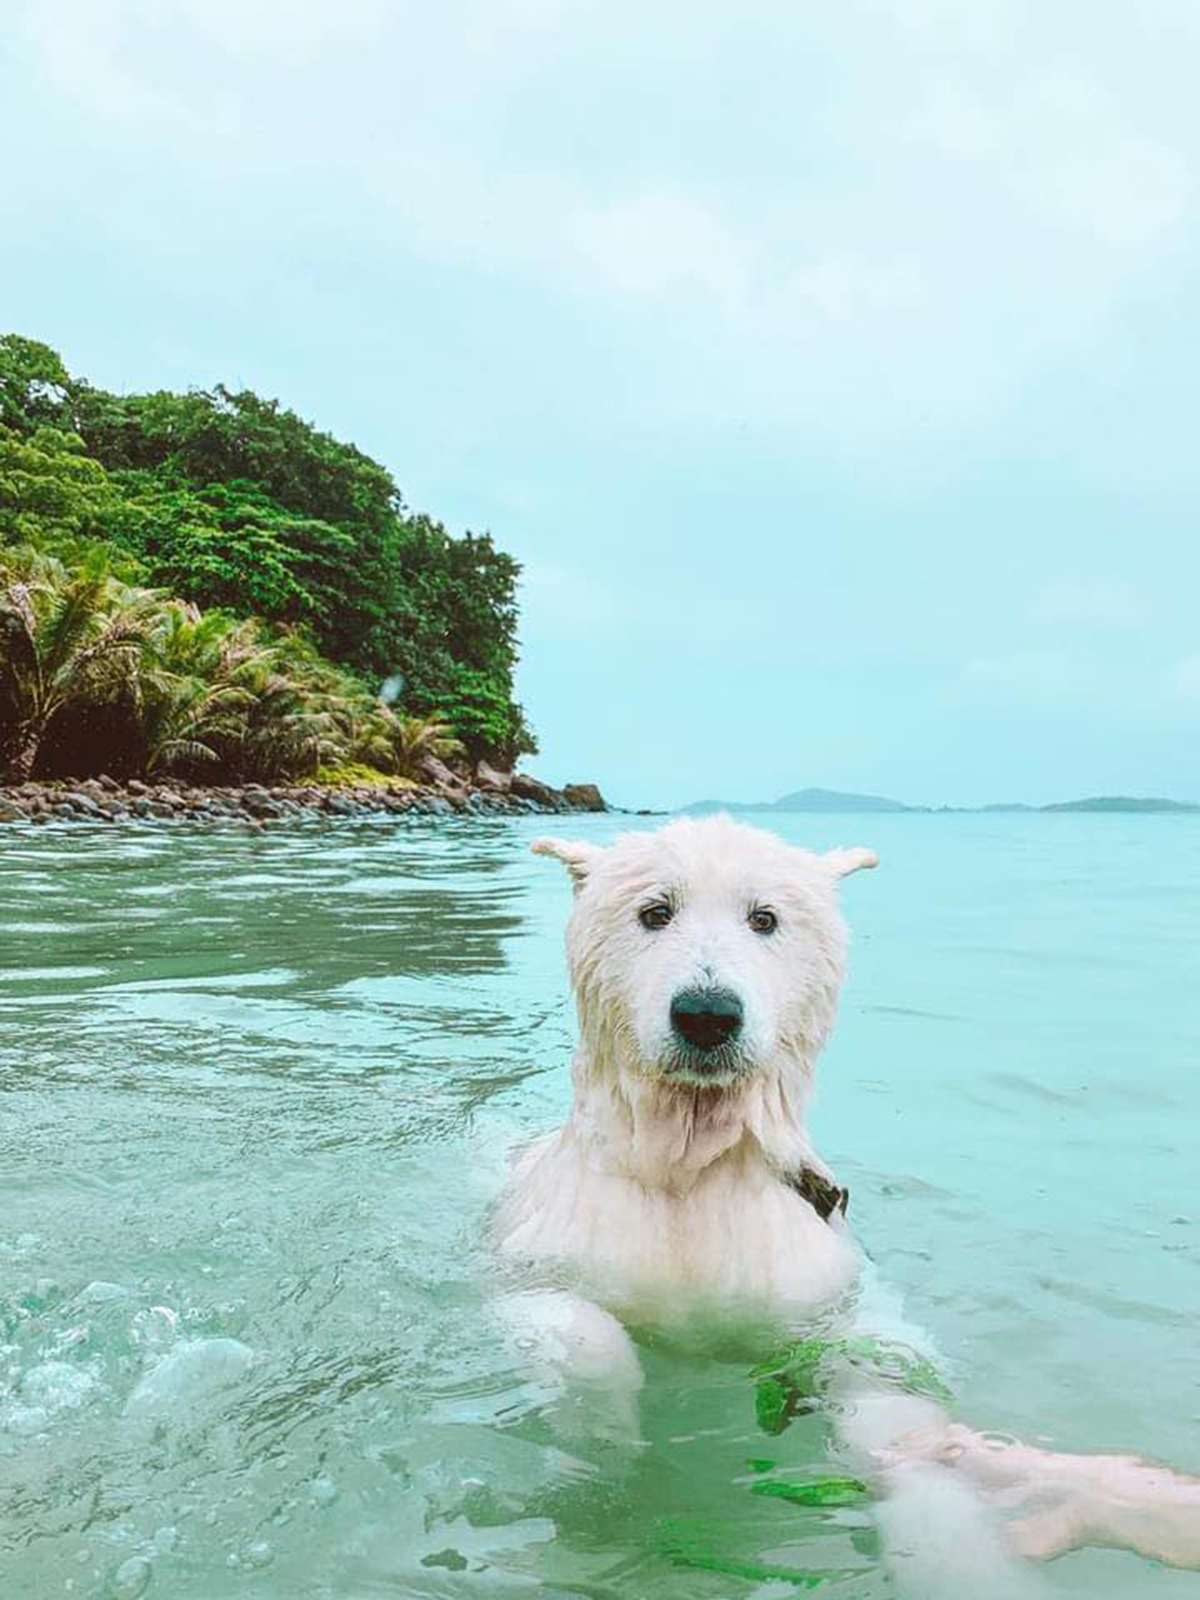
<point>106,800</point>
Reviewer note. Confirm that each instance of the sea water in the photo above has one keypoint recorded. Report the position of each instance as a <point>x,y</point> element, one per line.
<point>255,1094</point>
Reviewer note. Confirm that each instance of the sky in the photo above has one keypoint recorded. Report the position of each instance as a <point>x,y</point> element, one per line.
<point>830,368</point>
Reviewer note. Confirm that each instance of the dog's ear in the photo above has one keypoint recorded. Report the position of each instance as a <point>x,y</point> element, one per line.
<point>841,863</point>
<point>574,854</point>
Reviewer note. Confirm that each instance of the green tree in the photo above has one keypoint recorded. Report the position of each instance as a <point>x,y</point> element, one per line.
<point>66,636</point>
<point>231,501</point>
<point>415,739</point>
<point>34,384</point>
<point>52,494</point>
<point>230,545</point>
<point>453,640</point>
<point>191,701</point>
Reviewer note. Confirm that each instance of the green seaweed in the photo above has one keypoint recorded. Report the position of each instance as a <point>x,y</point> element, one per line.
<point>792,1380</point>
<point>763,1571</point>
<point>776,1402</point>
<point>831,1491</point>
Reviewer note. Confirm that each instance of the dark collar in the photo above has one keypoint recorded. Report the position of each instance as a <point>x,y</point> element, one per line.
<point>822,1194</point>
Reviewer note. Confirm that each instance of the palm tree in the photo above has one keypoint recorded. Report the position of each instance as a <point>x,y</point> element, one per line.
<point>418,738</point>
<point>66,636</point>
<point>306,712</point>
<point>190,702</point>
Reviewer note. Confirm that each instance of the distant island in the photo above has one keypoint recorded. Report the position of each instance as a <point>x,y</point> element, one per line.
<point>805,800</point>
<point>841,802</point>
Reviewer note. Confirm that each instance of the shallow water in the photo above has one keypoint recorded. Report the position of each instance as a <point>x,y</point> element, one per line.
<point>255,1091</point>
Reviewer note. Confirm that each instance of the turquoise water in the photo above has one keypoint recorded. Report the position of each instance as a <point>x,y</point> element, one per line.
<point>255,1091</point>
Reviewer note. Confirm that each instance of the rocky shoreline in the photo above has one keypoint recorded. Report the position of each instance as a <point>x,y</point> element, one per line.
<point>105,800</point>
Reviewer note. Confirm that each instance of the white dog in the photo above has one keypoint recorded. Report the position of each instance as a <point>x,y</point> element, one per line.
<point>706,959</point>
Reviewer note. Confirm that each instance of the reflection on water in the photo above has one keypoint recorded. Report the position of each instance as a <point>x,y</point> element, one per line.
<point>256,1091</point>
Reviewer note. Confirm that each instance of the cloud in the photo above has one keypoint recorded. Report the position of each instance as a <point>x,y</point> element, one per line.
<point>1045,679</point>
<point>1183,680</point>
<point>564,602</point>
<point>895,258</point>
<point>1088,601</point>
<point>658,244</point>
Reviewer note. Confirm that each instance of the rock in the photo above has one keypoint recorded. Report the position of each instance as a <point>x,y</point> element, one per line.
<point>492,781</point>
<point>583,797</point>
<point>82,802</point>
<point>438,772</point>
<point>487,791</point>
<point>527,788</point>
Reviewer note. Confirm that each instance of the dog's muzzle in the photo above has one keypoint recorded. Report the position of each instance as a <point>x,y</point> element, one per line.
<point>706,1019</point>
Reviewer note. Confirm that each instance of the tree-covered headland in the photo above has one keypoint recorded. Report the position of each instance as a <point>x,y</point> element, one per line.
<point>206,584</point>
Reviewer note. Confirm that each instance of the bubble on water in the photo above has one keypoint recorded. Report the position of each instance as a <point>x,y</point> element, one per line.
<point>26,1420</point>
<point>58,1386</point>
<point>132,1578</point>
<point>155,1327</point>
<point>41,1296</point>
<point>190,1372</point>
<point>100,1291</point>
<point>257,1554</point>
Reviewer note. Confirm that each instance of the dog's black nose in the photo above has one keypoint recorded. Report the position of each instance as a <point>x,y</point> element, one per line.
<point>706,1018</point>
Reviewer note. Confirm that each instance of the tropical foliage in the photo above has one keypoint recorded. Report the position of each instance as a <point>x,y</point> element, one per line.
<point>67,638</point>
<point>206,583</point>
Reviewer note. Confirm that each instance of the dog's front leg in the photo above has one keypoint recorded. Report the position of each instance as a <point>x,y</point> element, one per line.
<point>941,1537</point>
<point>1062,1501</point>
<point>582,1361</point>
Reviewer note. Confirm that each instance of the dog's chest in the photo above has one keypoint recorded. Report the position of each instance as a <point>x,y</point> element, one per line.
<point>737,1232</point>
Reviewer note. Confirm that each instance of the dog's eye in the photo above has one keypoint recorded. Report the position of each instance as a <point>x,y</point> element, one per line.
<point>762,920</point>
<point>656,916</point>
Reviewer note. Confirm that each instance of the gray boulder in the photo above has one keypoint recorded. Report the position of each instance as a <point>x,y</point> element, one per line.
<point>83,802</point>
<point>492,781</point>
<point>527,788</point>
<point>438,772</point>
<point>584,797</point>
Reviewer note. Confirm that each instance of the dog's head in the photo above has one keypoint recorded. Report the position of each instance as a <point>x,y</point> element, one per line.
<point>706,951</point>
